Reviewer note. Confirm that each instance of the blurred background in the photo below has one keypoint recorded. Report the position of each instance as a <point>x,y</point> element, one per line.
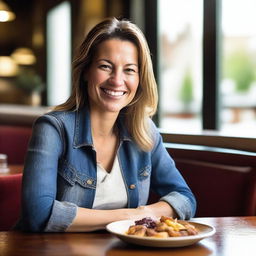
<point>203,52</point>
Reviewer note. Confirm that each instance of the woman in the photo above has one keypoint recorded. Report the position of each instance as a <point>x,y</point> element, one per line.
<point>94,158</point>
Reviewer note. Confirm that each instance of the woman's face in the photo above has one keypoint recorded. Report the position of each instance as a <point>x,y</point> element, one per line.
<point>113,76</point>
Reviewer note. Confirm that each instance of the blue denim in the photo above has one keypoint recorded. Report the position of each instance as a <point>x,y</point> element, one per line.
<point>60,172</point>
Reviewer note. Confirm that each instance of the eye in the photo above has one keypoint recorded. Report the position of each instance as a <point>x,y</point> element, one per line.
<point>105,67</point>
<point>130,71</point>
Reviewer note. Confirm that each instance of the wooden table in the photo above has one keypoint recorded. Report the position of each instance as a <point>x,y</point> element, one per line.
<point>235,236</point>
<point>13,169</point>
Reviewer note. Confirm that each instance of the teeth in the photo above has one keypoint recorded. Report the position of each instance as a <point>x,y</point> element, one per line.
<point>113,93</point>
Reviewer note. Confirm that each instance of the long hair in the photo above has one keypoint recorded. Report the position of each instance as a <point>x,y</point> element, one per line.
<point>145,101</point>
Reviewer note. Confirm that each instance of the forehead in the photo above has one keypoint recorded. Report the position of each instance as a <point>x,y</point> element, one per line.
<point>116,47</point>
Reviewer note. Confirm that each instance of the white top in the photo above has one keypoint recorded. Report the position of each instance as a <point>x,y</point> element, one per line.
<point>110,190</point>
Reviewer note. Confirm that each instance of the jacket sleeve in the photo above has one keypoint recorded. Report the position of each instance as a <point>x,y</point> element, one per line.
<point>167,181</point>
<point>40,209</point>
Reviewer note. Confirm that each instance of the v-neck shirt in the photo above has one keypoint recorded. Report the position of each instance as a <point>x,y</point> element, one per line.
<point>110,189</point>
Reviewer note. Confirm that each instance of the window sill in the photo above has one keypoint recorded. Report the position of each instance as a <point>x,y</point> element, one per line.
<point>211,138</point>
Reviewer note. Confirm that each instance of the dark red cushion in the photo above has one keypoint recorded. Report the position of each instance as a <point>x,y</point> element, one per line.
<point>10,200</point>
<point>220,190</point>
<point>14,142</point>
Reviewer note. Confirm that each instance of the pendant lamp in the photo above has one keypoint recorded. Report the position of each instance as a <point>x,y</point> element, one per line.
<point>5,12</point>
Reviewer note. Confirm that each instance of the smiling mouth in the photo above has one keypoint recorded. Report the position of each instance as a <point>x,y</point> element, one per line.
<point>113,93</point>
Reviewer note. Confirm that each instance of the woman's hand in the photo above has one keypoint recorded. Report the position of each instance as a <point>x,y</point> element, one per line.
<point>153,211</point>
<point>140,212</point>
<point>90,219</point>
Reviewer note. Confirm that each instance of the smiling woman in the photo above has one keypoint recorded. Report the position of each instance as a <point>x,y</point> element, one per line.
<point>104,153</point>
<point>113,77</point>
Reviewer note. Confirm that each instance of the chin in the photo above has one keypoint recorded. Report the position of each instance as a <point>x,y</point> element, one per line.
<point>113,108</point>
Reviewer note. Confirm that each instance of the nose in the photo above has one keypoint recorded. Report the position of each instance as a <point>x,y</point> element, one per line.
<point>117,78</point>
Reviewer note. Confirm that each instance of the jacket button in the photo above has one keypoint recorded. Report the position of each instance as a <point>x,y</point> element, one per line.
<point>89,182</point>
<point>145,174</point>
<point>132,186</point>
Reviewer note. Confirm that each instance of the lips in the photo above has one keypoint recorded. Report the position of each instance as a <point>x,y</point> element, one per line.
<point>113,93</point>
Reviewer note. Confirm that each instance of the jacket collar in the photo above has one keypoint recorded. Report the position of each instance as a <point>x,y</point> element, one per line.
<point>83,133</point>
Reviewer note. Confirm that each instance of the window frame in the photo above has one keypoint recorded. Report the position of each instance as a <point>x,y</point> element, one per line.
<point>210,134</point>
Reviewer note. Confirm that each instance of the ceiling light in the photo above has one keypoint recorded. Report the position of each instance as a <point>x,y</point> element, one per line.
<point>24,56</point>
<point>8,67</point>
<point>5,12</point>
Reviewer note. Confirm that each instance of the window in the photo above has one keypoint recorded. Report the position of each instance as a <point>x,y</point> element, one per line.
<point>188,61</point>
<point>58,54</point>
<point>238,83</point>
<point>180,64</point>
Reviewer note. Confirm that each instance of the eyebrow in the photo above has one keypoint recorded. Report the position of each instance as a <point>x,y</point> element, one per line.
<point>129,64</point>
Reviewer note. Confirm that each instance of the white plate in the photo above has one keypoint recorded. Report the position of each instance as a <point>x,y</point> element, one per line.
<point>119,228</point>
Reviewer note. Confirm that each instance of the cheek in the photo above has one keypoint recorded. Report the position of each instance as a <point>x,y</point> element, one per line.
<point>135,85</point>
<point>95,76</point>
<point>92,83</point>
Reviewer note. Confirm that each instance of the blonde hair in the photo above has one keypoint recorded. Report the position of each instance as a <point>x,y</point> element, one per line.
<point>144,104</point>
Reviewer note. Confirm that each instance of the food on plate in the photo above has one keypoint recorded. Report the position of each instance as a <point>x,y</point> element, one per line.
<point>148,222</point>
<point>163,228</point>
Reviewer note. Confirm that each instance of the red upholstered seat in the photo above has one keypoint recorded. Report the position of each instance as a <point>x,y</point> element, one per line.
<point>10,200</point>
<point>223,180</point>
<point>220,190</point>
<point>14,142</point>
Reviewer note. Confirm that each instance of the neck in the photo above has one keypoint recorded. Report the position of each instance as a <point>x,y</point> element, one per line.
<point>103,124</point>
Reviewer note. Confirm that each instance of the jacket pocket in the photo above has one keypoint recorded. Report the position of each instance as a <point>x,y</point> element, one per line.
<point>72,176</point>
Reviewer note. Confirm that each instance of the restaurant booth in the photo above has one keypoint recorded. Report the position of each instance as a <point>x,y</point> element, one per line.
<point>223,180</point>
<point>220,170</point>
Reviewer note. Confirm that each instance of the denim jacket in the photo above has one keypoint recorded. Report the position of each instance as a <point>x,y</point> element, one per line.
<point>60,172</point>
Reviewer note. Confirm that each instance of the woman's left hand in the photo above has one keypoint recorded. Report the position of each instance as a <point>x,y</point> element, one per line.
<point>153,211</point>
